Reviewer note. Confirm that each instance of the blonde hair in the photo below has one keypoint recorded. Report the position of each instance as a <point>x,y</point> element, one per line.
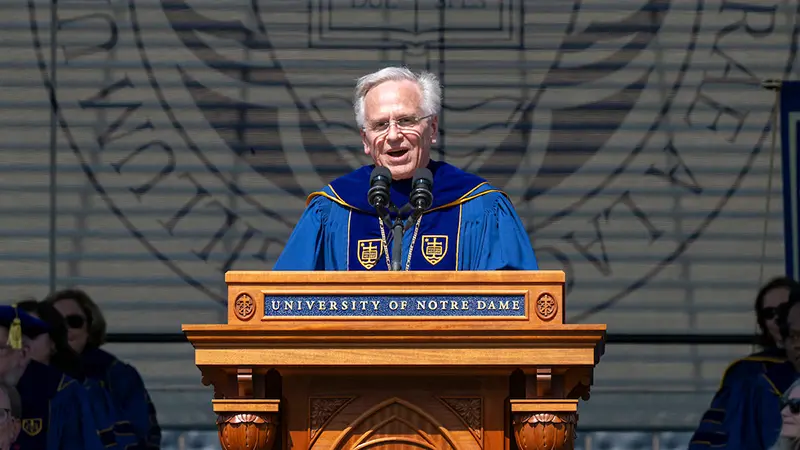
<point>787,442</point>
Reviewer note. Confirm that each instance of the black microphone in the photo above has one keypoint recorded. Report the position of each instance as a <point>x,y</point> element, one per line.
<point>421,197</point>
<point>378,194</point>
<point>379,198</point>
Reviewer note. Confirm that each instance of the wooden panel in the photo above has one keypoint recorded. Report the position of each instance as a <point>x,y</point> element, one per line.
<point>395,278</point>
<point>542,405</point>
<point>369,331</point>
<point>464,413</point>
<point>245,405</point>
<point>396,357</point>
<point>541,292</point>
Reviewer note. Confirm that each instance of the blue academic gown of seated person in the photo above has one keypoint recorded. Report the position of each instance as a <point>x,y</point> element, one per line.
<point>113,430</point>
<point>136,412</point>
<point>56,414</point>
<point>745,413</point>
<point>470,226</point>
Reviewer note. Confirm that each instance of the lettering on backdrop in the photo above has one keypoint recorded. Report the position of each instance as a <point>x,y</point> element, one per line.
<point>219,139</point>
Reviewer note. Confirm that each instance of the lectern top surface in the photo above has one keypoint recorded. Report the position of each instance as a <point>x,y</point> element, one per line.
<point>436,277</point>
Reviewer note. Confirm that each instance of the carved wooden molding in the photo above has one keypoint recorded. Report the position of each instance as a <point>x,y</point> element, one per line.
<point>546,418</point>
<point>247,431</point>
<point>582,391</point>
<point>403,408</point>
<point>224,383</point>
<point>417,439</point>
<point>578,383</point>
<point>470,411</point>
<point>321,411</point>
<point>545,431</point>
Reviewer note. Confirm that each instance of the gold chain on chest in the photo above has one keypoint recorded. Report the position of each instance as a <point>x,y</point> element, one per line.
<point>385,244</point>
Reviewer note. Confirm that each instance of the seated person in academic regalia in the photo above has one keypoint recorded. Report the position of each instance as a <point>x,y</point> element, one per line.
<point>53,349</point>
<point>86,333</point>
<point>55,410</point>
<point>733,420</point>
<point>13,357</point>
<point>469,225</point>
<point>789,438</point>
<point>10,415</point>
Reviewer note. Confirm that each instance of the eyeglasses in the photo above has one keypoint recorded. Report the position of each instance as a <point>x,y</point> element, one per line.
<point>793,404</point>
<point>404,123</point>
<point>5,414</point>
<point>75,321</point>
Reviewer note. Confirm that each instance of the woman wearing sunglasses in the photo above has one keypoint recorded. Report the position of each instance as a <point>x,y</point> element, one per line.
<point>52,349</point>
<point>790,419</point>
<point>86,334</point>
<point>735,417</point>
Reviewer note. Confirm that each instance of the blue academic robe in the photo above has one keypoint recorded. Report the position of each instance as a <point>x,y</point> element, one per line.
<point>113,431</point>
<point>470,226</point>
<point>56,414</point>
<point>136,412</point>
<point>745,412</point>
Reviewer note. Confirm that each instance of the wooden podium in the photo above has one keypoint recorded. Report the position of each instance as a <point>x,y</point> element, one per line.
<point>397,360</point>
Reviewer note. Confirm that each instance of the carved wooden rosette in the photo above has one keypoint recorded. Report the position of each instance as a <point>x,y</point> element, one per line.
<point>250,424</point>
<point>469,410</point>
<point>322,410</point>
<point>546,307</point>
<point>244,307</point>
<point>545,424</point>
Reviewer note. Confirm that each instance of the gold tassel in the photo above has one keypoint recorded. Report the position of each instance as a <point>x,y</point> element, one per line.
<point>15,332</point>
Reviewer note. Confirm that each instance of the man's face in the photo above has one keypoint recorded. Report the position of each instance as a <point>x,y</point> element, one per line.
<point>41,348</point>
<point>9,425</point>
<point>792,342</point>
<point>392,136</point>
<point>772,300</point>
<point>12,362</point>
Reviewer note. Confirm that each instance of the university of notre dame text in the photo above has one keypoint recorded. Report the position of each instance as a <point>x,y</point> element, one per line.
<point>395,305</point>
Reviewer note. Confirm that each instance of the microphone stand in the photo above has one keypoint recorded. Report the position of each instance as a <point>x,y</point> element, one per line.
<point>412,219</point>
<point>397,244</point>
<point>397,234</point>
<point>398,229</point>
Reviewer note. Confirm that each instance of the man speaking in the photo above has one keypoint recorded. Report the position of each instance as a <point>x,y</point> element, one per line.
<point>406,212</point>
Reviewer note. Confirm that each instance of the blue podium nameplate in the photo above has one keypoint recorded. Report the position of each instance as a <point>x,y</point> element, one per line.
<point>511,306</point>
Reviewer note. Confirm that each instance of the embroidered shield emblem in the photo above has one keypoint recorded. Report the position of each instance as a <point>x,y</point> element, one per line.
<point>434,247</point>
<point>32,426</point>
<point>369,251</point>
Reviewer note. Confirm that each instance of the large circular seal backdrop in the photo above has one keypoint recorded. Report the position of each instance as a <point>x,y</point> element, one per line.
<point>204,124</point>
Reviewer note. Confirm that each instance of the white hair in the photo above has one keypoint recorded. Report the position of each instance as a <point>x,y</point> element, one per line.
<point>428,83</point>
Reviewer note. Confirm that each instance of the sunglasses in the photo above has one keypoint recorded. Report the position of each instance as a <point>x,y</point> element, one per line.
<point>769,313</point>
<point>75,321</point>
<point>793,404</point>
